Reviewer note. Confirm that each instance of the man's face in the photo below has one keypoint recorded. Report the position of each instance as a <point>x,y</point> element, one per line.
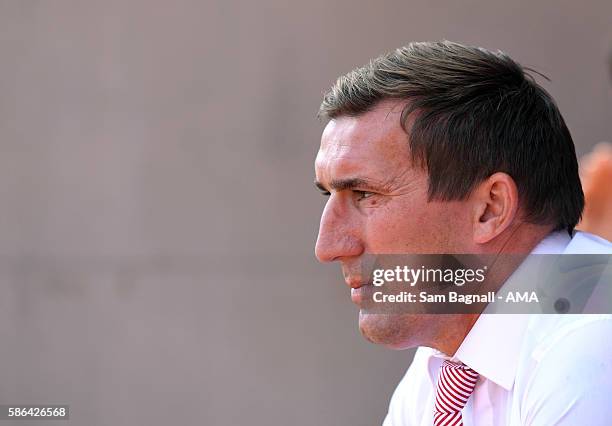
<point>378,204</point>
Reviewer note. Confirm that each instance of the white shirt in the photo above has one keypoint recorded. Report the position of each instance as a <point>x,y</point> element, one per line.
<point>534,369</point>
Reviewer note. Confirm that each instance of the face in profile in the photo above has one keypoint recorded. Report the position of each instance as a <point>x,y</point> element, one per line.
<point>378,204</point>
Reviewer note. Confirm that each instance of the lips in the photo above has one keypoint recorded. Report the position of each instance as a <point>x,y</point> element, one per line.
<point>355,282</point>
<point>361,288</point>
<point>361,293</point>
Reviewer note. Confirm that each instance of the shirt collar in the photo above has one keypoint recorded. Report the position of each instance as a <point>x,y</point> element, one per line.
<point>492,354</point>
<point>492,347</point>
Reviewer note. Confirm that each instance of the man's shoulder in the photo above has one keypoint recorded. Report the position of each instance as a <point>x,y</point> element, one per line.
<point>566,343</point>
<point>569,374</point>
<point>585,243</point>
<point>568,333</point>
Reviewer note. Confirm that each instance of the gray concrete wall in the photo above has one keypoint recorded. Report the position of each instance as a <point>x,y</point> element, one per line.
<point>158,215</point>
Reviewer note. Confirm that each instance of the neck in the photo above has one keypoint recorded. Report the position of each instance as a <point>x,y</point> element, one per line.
<point>520,239</point>
<point>455,328</point>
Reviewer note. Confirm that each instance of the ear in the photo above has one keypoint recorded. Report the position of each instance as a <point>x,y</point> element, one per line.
<point>495,206</point>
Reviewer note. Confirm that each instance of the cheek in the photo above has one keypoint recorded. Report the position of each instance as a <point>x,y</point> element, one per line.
<point>415,228</point>
<point>388,228</point>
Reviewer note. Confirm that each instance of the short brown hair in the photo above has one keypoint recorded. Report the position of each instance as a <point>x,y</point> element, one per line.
<point>477,112</point>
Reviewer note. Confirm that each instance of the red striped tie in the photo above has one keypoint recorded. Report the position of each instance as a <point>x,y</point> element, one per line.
<point>456,383</point>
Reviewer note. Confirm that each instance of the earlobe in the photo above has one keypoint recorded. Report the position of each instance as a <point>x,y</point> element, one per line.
<point>495,207</point>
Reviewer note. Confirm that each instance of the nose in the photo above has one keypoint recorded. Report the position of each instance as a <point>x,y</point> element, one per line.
<point>338,233</point>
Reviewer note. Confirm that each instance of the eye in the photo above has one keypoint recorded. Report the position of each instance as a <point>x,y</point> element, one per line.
<point>325,193</point>
<point>362,195</point>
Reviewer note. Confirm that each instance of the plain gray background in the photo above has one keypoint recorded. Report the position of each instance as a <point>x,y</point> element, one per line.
<point>158,213</point>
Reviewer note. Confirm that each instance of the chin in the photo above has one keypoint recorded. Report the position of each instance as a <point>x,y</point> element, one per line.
<point>393,331</point>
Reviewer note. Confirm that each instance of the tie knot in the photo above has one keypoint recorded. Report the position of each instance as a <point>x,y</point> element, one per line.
<point>456,383</point>
<point>459,366</point>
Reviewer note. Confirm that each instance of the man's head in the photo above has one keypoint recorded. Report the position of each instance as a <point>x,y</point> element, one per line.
<point>439,148</point>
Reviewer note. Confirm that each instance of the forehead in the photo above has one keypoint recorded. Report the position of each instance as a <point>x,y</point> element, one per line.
<point>373,141</point>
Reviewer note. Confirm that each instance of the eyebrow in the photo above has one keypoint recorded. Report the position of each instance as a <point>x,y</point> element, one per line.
<point>344,184</point>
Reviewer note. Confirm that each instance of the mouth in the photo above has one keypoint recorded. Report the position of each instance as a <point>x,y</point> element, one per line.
<point>361,293</point>
<point>361,286</point>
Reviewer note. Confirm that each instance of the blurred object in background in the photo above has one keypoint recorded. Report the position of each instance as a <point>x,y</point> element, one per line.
<point>596,176</point>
